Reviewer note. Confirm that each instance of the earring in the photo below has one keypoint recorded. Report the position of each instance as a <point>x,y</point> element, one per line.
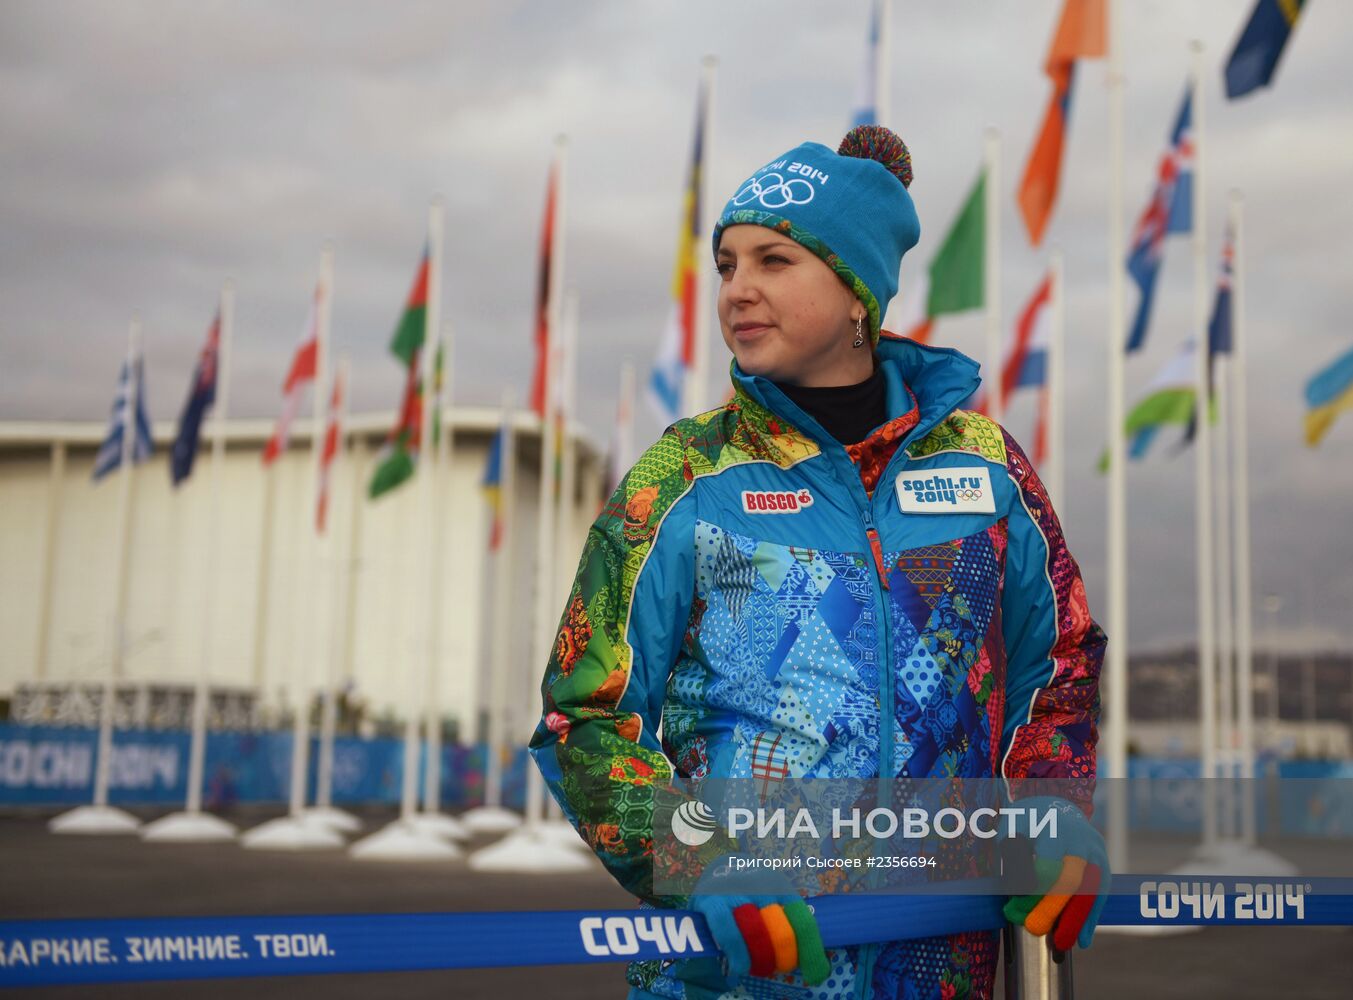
<point>859,332</point>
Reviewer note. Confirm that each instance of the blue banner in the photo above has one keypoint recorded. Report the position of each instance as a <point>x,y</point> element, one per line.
<point>48,952</point>
<point>55,766</point>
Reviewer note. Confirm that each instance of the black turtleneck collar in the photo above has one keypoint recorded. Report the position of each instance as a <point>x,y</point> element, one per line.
<point>846,412</point>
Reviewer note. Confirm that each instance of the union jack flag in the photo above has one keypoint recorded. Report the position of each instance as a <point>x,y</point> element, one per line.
<point>1170,210</point>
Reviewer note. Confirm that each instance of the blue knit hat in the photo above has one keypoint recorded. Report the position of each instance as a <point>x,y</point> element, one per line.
<point>851,208</point>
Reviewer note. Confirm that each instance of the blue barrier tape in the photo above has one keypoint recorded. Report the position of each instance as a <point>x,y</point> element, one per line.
<point>50,952</point>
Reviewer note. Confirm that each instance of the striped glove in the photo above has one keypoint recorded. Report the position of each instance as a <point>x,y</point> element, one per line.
<point>1071,872</point>
<point>760,923</point>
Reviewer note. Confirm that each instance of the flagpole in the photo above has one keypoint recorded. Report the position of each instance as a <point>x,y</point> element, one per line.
<point>1207,705</point>
<point>495,651</point>
<point>324,770</point>
<point>545,536</point>
<point>126,473</point>
<point>296,831</point>
<point>263,581</point>
<point>56,477</point>
<point>565,506</point>
<point>1244,582</point>
<point>1116,619</point>
<point>624,430</point>
<point>883,104</point>
<point>432,819</point>
<point>1057,385</point>
<point>1222,472</point>
<point>191,825</point>
<point>408,800</point>
<point>695,388</point>
<point>300,750</point>
<point>534,846</point>
<point>405,838</point>
<point>100,817</point>
<point>991,293</point>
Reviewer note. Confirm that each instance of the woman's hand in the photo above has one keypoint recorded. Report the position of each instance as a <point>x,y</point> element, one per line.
<point>1072,871</point>
<point>759,922</point>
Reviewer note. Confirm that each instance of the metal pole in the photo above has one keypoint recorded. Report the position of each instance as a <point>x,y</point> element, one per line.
<point>55,478</point>
<point>991,293</point>
<point>1244,580</point>
<point>197,753</point>
<point>1207,675</point>
<point>1116,619</point>
<point>1033,970</point>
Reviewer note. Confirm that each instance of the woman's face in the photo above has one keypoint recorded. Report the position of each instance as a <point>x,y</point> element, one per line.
<point>785,314</point>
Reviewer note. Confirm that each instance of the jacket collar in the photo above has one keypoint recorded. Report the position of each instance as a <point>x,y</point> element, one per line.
<point>940,377</point>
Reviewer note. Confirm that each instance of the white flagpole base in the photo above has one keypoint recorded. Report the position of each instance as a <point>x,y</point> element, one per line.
<point>403,841</point>
<point>561,832</point>
<point>94,820</point>
<point>530,849</point>
<point>441,825</point>
<point>490,819</point>
<point>1233,857</point>
<point>188,828</point>
<point>334,819</point>
<point>290,833</point>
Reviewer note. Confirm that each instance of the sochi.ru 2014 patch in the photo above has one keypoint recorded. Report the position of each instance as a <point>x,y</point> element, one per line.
<point>965,490</point>
<point>775,501</point>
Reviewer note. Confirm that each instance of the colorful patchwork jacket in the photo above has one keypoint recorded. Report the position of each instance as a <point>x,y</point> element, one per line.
<point>744,608</point>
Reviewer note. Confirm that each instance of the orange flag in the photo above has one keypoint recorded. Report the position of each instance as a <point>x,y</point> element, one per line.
<point>1081,34</point>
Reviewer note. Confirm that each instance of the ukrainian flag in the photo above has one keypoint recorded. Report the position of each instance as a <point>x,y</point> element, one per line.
<point>1327,393</point>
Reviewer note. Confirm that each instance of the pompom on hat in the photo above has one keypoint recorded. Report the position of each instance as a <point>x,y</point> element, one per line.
<point>850,207</point>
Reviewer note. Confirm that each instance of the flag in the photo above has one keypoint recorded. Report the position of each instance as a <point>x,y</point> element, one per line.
<point>332,431</point>
<point>911,306</point>
<point>544,283</point>
<point>1026,362</point>
<point>1260,46</point>
<point>493,487</point>
<point>676,350</point>
<point>303,366</point>
<point>1170,210</point>
<point>201,395</point>
<point>1219,327</point>
<point>1168,400</point>
<point>395,462</point>
<point>1327,393</point>
<point>866,95</point>
<point>958,270</point>
<point>110,452</point>
<point>1081,34</point>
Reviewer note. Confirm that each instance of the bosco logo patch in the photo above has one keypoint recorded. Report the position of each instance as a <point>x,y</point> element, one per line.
<point>775,501</point>
<point>946,491</point>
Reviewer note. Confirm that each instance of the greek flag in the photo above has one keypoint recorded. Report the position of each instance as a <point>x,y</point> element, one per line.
<point>110,452</point>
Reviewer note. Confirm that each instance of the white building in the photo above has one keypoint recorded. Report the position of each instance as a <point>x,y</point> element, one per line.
<point>281,606</point>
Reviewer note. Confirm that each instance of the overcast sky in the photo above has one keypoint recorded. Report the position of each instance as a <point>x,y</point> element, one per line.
<point>150,150</point>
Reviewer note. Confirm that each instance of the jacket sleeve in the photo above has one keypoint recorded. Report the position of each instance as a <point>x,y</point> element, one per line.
<point>597,742</point>
<point>1054,651</point>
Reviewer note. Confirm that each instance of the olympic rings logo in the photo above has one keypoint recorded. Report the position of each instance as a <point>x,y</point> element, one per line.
<point>773,191</point>
<point>969,494</point>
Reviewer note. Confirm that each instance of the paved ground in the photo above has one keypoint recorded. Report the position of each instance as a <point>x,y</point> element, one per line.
<point>42,875</point>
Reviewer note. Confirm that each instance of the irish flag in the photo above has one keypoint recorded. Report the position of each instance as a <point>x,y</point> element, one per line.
<point>395,463</point>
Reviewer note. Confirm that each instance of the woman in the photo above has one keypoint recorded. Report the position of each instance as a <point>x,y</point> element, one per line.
<point>837,574</point>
